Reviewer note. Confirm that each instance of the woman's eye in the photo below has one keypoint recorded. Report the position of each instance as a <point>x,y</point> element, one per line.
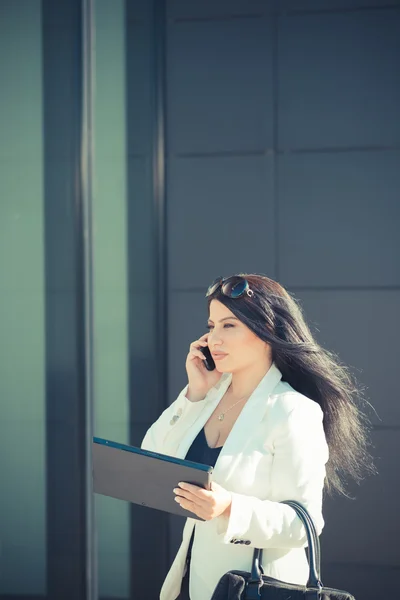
<point>225,326</point>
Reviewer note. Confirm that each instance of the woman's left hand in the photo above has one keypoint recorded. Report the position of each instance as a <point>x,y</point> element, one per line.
<point>204,503</point>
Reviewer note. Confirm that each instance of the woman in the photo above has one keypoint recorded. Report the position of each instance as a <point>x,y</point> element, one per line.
<point>278,420</point>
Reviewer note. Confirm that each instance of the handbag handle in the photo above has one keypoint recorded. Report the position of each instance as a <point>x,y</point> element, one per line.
<point>314,583</point>
<point>313,533</point>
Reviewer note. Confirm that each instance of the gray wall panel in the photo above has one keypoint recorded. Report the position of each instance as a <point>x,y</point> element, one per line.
<point>139,84</point>
<point>323,223</point>
<point>62,13</point>
<point>361,530</point>
<point>321,5</point>
<point>187,322</point>
<point>184,9</point>
<point>363,328</point>
<point>364,581</point>
<point>141,210</point>
<point>60,185</point>
<point>338,79</point>
<point>62,109</point>
<point>210,232</point>
<point>339,217</point>
<point>213,69</point>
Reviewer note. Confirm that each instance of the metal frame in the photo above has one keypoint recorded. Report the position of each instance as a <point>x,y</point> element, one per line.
<point>87,184</point>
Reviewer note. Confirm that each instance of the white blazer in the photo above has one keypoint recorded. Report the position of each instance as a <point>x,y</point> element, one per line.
<point>275,451</point>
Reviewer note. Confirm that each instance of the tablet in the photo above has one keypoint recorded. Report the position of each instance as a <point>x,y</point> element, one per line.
<point>143,477</point>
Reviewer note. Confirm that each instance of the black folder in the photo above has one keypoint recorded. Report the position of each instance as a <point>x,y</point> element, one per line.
<point>143,477</point>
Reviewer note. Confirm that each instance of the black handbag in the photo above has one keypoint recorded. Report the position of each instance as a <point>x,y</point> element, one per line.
<point>241,585</point>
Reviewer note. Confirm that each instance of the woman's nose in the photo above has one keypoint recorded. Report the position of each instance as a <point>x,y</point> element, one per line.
<point>214,339</point>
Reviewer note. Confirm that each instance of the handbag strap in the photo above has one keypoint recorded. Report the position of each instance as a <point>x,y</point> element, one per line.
<point>314,584</point>
<point>311,524</point>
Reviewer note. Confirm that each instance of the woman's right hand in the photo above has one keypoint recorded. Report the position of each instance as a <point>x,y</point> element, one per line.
<point>200,379</point>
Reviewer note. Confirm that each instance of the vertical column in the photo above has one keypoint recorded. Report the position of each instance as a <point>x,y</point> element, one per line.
<point>86,276</point>
<point>110,291</point>
<point>66,376</point>
<point>22,303</point>
<point>145,23</point>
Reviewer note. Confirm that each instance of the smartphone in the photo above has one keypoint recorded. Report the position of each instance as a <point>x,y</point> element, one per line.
<point>209,361</point>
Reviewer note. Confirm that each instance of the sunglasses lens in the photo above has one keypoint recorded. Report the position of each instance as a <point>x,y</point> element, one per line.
<point>215,284</point>
<point>235,287</point>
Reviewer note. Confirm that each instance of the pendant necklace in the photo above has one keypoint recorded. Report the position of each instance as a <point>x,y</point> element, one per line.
<point>222,415</point>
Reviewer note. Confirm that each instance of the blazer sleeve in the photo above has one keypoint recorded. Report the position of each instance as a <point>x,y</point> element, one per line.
<point>178,417</point>
<point>298,473</point>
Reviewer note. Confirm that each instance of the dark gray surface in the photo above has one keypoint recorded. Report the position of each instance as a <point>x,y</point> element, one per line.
<point>339,217</point>
<point>364,530</point>
<point>149,536</point>
<point>323,223</point>
<point>211,101</point>
<point>209,232</point>
<point>65,369</point>
<point>331,5</point>
<point>142,479</point>
<point>338,79</point>
<point>182,9</point>
<point>363,328</point>
<point>366,582</point>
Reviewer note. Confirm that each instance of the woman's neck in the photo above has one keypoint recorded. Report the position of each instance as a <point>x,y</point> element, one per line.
<point>244,382</point>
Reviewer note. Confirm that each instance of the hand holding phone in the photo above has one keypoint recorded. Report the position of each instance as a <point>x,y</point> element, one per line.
<point>201,369</point>
<point>209,361</point>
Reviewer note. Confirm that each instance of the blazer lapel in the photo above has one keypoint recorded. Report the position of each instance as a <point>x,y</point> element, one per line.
<point>209,408</point>
<point>247,422</point>
<point>252,413</point>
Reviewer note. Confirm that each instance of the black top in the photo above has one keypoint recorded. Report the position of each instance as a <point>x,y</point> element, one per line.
<point>201,452</point>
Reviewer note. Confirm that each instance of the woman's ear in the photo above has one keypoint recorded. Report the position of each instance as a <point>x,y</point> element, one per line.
<point>268,351</point>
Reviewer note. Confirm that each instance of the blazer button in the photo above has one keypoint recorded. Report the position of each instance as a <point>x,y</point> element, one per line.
<point>176,417</point>
<point>232,541</point>
<point>247,542</point>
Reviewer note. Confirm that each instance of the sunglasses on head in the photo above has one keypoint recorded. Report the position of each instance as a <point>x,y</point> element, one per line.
<point>233,287</point>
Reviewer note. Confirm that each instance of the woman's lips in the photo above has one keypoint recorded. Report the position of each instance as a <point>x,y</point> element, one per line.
<point>219,356</point>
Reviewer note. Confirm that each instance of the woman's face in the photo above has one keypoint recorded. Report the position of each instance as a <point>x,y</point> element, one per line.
<point>233,345</point>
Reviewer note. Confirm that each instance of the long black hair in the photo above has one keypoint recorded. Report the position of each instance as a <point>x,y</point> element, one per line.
<point>275,316</point>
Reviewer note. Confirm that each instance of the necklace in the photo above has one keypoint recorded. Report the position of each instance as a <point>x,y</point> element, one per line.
<point>221,417</point>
